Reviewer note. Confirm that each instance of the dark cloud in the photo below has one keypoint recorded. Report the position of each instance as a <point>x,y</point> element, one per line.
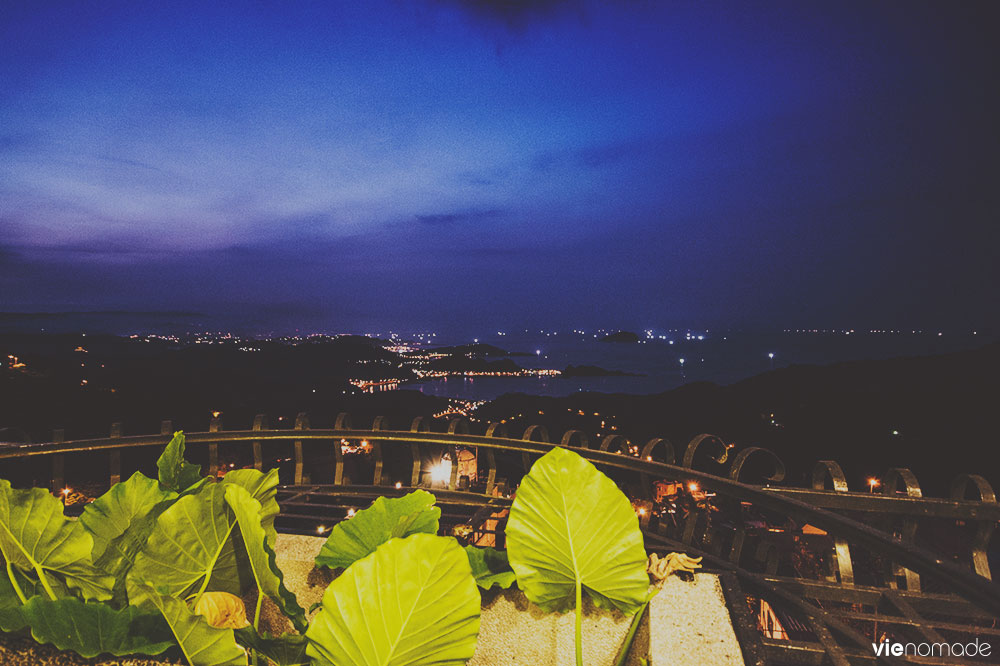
<point>595,155</point>
<point>516,15</point>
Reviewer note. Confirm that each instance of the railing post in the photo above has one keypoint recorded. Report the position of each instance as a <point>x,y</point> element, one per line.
<point>570,435</point>
<point>908,528</point>
<point>529,436</point>
<point>419,424</point>
<point>647,454</point>
<point>840,565</point>
<point>380,423</point>
<point>301,423</point>
<point>215,425</point>
<point>984,528</point>
<point>493,430</point>
<point>618,440</point>
<point>457,426</point>
<point>58,462</point>
<point>343,422</point>
<point>259,423</point>
<point>115,455</point>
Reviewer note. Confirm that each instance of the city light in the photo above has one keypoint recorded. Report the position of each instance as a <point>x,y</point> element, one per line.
<point>873,483</point>
<point>350,513</point>
<point>693,487</point>
<point>441,473</point>
<point>642,511</point>
<point>320,529</point>
<point>399,484</point>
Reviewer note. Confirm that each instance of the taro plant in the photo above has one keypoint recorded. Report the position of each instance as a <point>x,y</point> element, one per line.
<point>386,518</point>
<point>572,530</point>
<point>422,587</point>
<point>124,578</point>
<point>412,601</point>
<point>156,565</point>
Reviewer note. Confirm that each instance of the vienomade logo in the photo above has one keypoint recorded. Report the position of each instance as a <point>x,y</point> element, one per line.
<point>889,648</point>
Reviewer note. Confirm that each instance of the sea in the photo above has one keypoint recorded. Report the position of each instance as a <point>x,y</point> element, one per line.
<point>665,360</point>
<point>660,361</point>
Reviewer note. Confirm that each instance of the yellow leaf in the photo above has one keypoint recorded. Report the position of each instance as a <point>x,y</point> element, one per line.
<point>222,610</point>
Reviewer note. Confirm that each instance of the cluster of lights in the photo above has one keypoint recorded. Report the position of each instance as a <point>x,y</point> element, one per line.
<point>459,407</point>
<point>441,472</point>
<point>363,446</point>
<point>373,385</point>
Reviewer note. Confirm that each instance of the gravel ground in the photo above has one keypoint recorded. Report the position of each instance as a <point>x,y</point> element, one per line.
<point>691,625</point>
<point>16,650</point>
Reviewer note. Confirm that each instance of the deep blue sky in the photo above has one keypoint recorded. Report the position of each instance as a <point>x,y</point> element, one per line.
<point>436,164</point>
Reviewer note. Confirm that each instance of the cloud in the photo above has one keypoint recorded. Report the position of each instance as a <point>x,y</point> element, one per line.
<point>595,155</point>
<point>439,219</point>
<point>128,163</point>
<point>14,141</point>
<point>516,15</point>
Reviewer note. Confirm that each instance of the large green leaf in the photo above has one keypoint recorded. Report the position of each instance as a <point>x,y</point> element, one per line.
<point>370,528</point>
<point>283,650</point>
<point>490,567</point>
<point>176,473</point>
<point>263,487</point>
<point>36,537</point>
<point>191,548</point>
<point>112,514</point>
<point>11,605</point>
<point>570,524</point>
<point>201,643</point>
<point>267,576</point>
<point>121,521</point>
<point>90,629</point>
<point>413,601</point>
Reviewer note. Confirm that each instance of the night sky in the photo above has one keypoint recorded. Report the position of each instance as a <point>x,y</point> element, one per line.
<point>449,164</point>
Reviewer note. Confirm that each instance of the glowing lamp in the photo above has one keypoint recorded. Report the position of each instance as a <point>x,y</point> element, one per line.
<point>441,472</point>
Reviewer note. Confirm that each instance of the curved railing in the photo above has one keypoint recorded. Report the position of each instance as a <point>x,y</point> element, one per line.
<point>837,610</point>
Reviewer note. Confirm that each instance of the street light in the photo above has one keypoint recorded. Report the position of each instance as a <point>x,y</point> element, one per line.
<point>770,356</point>
<point>873,483</point>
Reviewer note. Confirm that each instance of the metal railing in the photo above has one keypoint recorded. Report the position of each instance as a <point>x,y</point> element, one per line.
<point>873,570</point>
